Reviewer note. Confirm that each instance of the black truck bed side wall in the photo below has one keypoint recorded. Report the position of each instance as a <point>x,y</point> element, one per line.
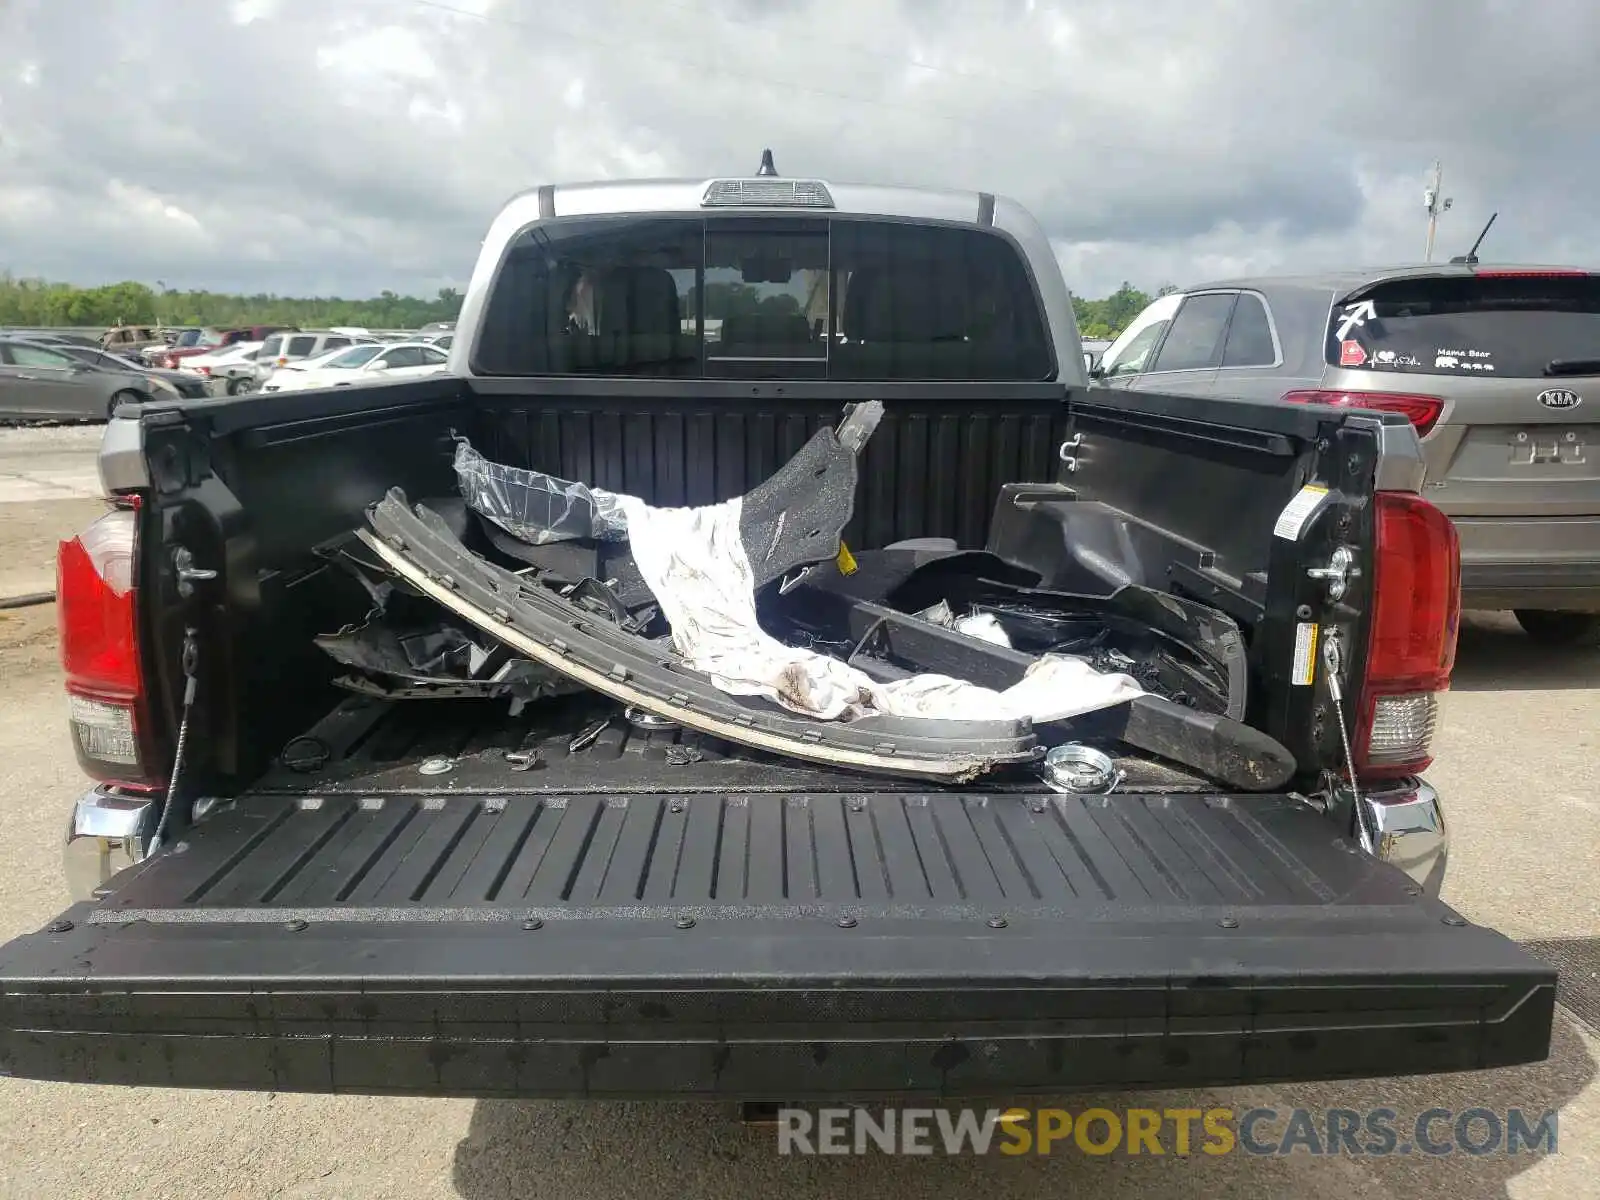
<point>249,486</point>
<point>1182,494</point>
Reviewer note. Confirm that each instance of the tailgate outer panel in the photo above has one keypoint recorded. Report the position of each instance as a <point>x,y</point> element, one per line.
<point>762,947</point>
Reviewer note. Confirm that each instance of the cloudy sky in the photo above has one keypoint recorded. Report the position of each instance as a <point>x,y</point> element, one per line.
<point>347,146</point>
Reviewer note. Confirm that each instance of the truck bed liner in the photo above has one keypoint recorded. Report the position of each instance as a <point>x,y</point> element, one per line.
<point>761,946</point>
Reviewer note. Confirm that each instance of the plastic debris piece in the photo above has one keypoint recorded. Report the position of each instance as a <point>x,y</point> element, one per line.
<point>983,626</point>
<point>536,507</point>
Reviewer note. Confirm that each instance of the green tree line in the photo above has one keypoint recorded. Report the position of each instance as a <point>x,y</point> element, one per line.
<point>1109,316</point>
<point>36,302</point>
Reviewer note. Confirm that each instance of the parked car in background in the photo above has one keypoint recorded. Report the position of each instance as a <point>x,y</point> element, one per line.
<point>442,340</point>
<point>48,383</point>
<point>131,339</point>
<point>189,345</point>
<point>101,360</point>
<point>281,349</point>
<point>159,353</point>
<point>1498,367</point>
<point>351,358</point>
<point>228,370</point>
<point>360,364</point>
<point>260,333</point>
<point>43,338</point>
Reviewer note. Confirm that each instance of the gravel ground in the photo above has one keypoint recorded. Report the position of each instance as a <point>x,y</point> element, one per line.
<point>1517,765</point>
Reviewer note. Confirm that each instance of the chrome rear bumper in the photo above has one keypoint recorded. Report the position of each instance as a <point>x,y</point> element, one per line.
<point>1404,825</point>
<point>107,832</point>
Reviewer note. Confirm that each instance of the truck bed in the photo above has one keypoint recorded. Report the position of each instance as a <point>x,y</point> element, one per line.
<point>438,936</point>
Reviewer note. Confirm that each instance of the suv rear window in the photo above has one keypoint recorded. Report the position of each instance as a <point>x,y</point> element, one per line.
<point>763,297</point>
<point>1482,325</point>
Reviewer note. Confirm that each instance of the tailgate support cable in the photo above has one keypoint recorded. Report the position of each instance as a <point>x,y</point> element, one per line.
<point>191,657</point>
<point>1335,661</point>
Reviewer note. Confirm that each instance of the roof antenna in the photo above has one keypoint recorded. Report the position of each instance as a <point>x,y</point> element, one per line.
<point>766,167</point>
<point>1471,256</point>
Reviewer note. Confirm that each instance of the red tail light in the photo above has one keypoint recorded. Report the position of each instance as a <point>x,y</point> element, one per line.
<point>95,600</point>
<point>203,370</point>
<point>1416,612</point>
<point>1422,411</point>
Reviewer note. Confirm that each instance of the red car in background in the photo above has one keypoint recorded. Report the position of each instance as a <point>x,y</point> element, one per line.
<point>199,341</point>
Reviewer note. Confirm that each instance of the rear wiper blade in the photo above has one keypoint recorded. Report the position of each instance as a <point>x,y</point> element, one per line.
<point>1572,366</point>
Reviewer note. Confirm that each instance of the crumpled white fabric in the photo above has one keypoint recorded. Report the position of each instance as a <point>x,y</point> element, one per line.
<point>695,564</point>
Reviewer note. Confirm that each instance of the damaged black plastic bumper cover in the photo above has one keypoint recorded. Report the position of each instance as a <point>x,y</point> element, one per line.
<point>420,548</point>
<point>762,947</point>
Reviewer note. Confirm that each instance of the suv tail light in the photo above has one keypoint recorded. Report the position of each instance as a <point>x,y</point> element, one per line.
<point>1422,411</point>
<point>1416,612</point>
<point>95,600</point>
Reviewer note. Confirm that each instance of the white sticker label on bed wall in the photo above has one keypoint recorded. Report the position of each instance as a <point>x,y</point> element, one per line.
<point>1297,514</point>
<point>1305,655</point>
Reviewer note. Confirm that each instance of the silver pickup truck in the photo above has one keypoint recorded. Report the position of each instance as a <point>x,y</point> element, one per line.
<point>286,885</point>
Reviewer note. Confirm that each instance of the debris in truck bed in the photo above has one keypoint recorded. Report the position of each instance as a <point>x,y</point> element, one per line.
<point>705,566</point>
<point>435,661</point>
<point>536,507</point>
<point>792,520</point>
<point>633,670</point>
<point>692,559</point>
<point>811,668</point>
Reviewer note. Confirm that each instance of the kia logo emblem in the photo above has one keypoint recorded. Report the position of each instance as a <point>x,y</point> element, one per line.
<point>1560,398</point>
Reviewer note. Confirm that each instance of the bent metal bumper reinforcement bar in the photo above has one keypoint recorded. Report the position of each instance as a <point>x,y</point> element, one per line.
<point>418,547</point>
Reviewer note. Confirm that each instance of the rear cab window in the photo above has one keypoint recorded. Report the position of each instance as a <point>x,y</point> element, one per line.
<point>838,298</point>
<point>1484,325</point>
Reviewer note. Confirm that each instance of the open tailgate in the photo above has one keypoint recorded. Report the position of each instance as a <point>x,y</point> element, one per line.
<point>762,946</point>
